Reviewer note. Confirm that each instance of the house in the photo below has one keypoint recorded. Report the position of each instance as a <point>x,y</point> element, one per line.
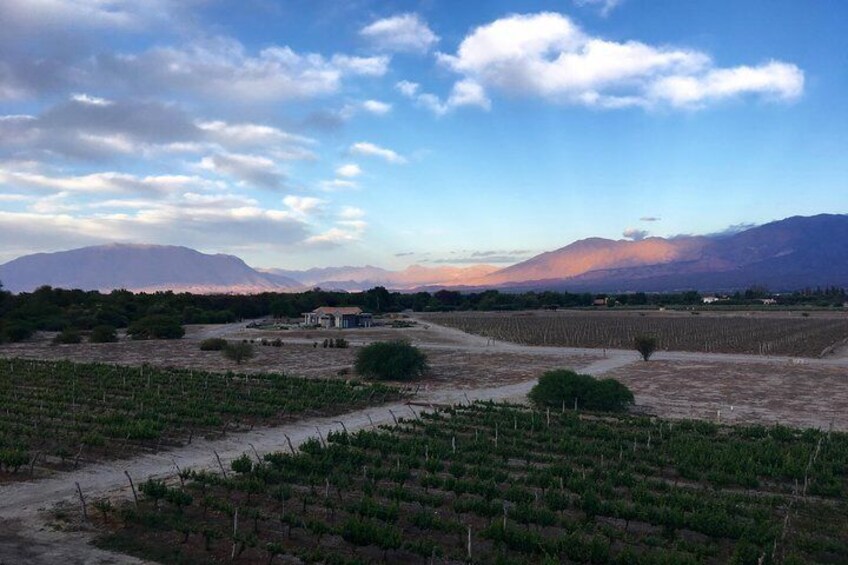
<point>768,301</point>
<point>710,299</point>
<point>341,317</point>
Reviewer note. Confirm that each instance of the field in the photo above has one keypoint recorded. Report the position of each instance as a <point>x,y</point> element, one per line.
<point>495,483</point>
<point>753,333</point>
<point>56,415</point>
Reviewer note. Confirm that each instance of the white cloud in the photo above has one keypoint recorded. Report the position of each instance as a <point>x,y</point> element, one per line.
<point>376,107</point>
<point>548,56</point>
<point>249,134</point>
<point>349,170</point>
<point>303,205</point>
<point>351,213</point>
<point>338,184</point>
<point>605,6</point>
<point>407,88</point>
<point>105,182</point>
<point>92,100</point>
<point>405,32</point>
<point>371,150</point>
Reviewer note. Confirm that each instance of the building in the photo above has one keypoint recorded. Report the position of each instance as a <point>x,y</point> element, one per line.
<point>342,317</point>
<point>710,299</point>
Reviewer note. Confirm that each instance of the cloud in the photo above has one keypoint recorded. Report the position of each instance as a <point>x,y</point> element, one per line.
<point>635,234</point>
<point>351,213</point>
<point>337,184</point>
<point>252,169</point>
<point>349,227</point>
<point>368,149</point>
<point>349,170</point>
<point>222,68</point>
<point>650,219</point>
<point>303,205</point>
<point>376,107</point>
<point>605,6</point>
<point>546,55</point>
<point>223,223</point>
<point>404,33</point>
<point>465,92</point>
<point>100,183</point>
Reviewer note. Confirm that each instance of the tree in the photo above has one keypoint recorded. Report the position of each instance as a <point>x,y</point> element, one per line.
<point>103,334</point>
<point>67,336</point>
<point>156,326</point>
<point>238,352</point>
<point>213,344</point>
<point>645,345</point>
<point>563,387</point>
<point>390,360</point>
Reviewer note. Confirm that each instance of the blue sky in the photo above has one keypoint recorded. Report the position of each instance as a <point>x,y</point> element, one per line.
<point>312,133</point>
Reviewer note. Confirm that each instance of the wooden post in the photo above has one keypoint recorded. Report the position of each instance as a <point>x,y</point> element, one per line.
<point>132,486</point>
<point>469,543</point>
<point>288,439</point>
<point>393,416</point>
<point>320,437</point>
<point>235,532</point>
<point>82,503</point>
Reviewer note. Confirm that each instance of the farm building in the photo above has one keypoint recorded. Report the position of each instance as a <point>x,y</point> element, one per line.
<point>343,317</point>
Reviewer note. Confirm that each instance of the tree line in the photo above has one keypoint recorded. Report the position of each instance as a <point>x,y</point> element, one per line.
<point>56,309</point>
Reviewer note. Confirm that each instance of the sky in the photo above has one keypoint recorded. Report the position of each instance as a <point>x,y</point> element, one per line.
<point>307,133</point>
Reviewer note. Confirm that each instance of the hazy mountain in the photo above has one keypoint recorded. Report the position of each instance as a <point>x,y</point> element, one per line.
<point>787,254</point>
<point>363,278</point>
<point>138,268</point>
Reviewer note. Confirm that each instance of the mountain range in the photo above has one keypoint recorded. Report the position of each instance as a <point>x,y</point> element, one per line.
<point>788,254</point>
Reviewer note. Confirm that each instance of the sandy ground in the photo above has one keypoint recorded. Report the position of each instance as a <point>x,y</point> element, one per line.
<point>465,368</point>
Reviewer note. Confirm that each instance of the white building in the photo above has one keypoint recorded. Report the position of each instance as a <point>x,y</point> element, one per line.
<point>340,317</point>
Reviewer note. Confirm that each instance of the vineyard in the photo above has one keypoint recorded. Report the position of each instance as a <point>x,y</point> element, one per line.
<point>804,337</point>
<point>502,484</point>
<point>56,415</point>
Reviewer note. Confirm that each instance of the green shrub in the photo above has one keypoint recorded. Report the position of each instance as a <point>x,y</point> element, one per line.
<point>645,345</point>
<point>17,331</point>
<point>156,326</point>
<point>239,352</point>
<point>213,344</point>
<point>67,336</point>
<point>103,334</point>
<point>565,387</point>
<point>390,360</point>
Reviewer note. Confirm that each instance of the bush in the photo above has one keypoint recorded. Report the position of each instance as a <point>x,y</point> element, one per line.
<point>564,387</point>
<point>67,336</point>
<point>390,360</point>
<point>239,352</point>
<point>213,344</point>
<point>645,345</point>
<point>157,326</point>
<point>17,331</point>
<point>103,334</point>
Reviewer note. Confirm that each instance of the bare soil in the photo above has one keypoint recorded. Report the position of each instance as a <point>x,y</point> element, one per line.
<point>793,393</point>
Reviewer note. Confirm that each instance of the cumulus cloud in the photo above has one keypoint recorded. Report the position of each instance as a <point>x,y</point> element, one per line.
<point>405,33</point>
<point>99,183</point>
<point>376,107</point>
<point>465,92</point>
<point>368,149</point>
<point>635,234</point>
<point>349,170</point>
<point>546,55</point>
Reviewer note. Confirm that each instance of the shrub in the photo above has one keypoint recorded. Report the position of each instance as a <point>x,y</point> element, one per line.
<point>395,360</point>
<point>213,344</point>
<point>156,326</point>
<point>342,343</point>
<point>239,352</point>
<point>565,387</point>
<point>645,345</point>
<point>67,336</point>
<point>17,331</point>
<point>103,334</point>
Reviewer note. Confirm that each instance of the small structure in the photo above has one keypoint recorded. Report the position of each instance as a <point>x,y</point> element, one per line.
<point>768,301</point>
<point>341,317</point>
<point>710,299</point>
